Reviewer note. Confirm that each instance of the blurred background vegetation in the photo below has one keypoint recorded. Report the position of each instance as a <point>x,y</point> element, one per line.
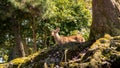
<point>30,22</point>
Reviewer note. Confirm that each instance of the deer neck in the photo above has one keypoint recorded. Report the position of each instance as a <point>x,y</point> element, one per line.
<point>57,38</point>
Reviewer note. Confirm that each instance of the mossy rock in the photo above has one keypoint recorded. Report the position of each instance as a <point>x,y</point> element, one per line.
<point>104,53</point>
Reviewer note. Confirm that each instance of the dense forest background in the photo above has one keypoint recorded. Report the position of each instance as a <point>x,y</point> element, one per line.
<point>26,24</point>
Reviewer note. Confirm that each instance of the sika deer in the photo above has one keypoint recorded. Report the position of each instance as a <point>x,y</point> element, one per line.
<point>66,39</point>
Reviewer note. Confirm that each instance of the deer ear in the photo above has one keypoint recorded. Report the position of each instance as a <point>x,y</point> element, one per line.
<point>58,29</point>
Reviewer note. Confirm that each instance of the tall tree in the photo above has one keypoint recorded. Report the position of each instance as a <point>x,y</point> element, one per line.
<point>106,18</point>
<point>18,40</point>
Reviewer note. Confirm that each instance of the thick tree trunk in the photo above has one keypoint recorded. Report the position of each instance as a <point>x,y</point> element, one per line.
<point>18,40</point>
<point>106,18</point>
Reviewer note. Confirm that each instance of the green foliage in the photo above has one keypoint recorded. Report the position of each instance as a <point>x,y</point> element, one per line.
<point>68,15</point>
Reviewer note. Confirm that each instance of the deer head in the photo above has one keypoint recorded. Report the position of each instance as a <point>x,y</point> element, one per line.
<point>54,32</point>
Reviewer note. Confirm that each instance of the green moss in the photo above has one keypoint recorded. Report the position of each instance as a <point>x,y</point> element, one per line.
<point>3,65</point>
<point>93,63</point>
<point>52,65</point>
<point>84,65</point>
<point>19,60</point>
<point>107,36</point>
<point>104,49</point>
<point>74,65</point>
<point>116,38</point>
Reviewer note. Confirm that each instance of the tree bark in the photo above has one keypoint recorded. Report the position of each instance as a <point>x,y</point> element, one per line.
<point>106,18</point>
<point>18,41</point>
<point>34,34</point>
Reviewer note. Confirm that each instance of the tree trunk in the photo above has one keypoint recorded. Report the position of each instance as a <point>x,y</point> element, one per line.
<point>12,53</point>
<point>18,41</point>
<point>34,34</point>
<point>106,18</point>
